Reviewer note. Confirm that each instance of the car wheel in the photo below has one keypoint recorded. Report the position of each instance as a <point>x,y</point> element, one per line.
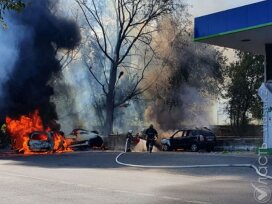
<point>194,147</point>
<point>165,147</point>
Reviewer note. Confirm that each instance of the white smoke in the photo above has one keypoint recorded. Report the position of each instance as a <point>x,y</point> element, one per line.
<point>74,99</point>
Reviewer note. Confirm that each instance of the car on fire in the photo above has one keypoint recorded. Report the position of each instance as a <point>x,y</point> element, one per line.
<point>40,141</point>
<point>81,138</point>
<point>190,139</point>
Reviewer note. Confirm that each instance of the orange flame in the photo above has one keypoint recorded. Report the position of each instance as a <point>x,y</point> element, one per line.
<point>20,129</point>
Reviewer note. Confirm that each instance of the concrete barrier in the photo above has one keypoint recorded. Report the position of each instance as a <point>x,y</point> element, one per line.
<point>117,142</point>
<point>238,144</point>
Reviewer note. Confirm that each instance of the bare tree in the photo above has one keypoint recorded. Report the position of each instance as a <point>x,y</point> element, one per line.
<point>134,24</point>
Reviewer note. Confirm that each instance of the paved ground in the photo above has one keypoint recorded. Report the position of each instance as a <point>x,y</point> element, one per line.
<point>94,177</point>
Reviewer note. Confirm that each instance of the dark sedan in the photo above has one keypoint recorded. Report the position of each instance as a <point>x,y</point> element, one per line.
<point>190,139</point>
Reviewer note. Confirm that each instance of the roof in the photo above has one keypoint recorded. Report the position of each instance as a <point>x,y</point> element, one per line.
<point>245,28</point>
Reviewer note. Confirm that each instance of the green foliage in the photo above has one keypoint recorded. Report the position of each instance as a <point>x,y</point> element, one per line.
<point>242,80</point>
<point>15,5</point>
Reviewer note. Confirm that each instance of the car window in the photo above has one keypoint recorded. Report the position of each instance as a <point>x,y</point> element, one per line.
<point>79,131</point>
<point>188,133</point>
<point>178,134</point>
<point>83,132</point>
<point>194,133</point>
<point>206,133</point>
<point>39,136</point>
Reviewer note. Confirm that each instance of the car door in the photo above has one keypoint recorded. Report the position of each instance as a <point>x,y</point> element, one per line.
<point>176,140</point>
<point>85,135</point>
<point>82,135</point>
<point>186,139</point>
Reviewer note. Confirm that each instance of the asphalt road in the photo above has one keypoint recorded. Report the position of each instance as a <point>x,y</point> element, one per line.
<point>95,177</point>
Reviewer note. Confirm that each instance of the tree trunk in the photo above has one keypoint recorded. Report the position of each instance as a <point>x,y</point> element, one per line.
<point>110,100</point>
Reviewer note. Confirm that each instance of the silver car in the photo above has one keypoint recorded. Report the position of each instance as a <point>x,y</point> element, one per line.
<point>40,141</point>
<point>85,138</point>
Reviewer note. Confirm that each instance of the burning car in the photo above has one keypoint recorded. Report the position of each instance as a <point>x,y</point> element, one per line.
<point>84,138</point>
<point>190,139</point>
<point>29,136</point>
<point>40,141</point>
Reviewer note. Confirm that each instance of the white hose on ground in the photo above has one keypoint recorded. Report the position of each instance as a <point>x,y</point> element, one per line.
<point>189,166</point>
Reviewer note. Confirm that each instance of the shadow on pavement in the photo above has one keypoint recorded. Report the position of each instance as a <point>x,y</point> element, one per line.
<point>93,159</point>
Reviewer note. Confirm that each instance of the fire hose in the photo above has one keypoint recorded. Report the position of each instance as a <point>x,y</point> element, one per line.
<point>188,166</point>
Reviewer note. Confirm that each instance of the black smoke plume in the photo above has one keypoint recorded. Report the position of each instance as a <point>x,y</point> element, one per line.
<point>28,85</point>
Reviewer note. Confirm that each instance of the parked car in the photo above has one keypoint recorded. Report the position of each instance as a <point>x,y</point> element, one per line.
<point>190,139</point>
<point>85,138</point>
<point>40,141</point>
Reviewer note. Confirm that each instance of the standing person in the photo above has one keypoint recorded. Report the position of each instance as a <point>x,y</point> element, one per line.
<point>151,135</point>
<point>129,139</point>
<point>4,139</point>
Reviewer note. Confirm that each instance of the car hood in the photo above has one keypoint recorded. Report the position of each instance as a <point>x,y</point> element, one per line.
<point>165,141</point>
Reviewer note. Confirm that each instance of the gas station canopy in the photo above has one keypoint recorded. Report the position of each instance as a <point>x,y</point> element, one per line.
<point>246,28</point>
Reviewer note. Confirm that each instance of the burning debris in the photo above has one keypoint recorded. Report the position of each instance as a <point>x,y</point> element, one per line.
<point>29,135</point>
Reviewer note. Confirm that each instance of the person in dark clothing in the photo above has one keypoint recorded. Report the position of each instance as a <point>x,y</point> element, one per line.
<point>4,138</point>
<point>129,138</point>
<point>151,135</point>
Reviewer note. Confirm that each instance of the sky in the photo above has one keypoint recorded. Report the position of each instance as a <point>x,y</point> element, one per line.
<point>204,7</point>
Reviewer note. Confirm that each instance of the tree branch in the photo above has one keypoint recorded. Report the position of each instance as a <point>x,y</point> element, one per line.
<point>102,85</point>
<point>94,32</point>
